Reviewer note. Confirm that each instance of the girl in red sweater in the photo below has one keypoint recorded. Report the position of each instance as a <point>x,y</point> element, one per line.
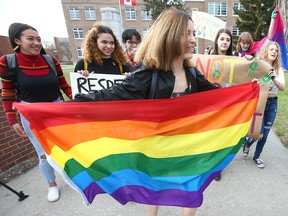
<point>31,81</point>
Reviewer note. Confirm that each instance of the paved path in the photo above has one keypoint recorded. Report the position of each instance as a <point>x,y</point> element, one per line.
<point>244,190</point>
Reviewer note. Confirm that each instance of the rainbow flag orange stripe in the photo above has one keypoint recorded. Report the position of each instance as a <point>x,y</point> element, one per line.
<point>158,152</point>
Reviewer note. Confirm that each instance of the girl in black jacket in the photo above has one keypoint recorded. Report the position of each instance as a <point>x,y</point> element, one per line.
<point>167,69</point>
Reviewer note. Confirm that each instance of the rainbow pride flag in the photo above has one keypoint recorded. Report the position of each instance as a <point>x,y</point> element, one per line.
<point>159,152</point>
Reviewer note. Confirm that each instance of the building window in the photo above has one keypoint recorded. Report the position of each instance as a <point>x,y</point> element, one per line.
<point>144,32</point>
<point>79,52</point>
<point>217,8</point>
<point>78,33</point>
<point>130,13</point>
<point>237,6</point>
<point>235,31</point>
<point>90,13</point>
<point>145,15</point>
<point>74,13</point>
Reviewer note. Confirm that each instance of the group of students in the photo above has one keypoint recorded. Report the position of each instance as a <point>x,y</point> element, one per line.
<point>270,53</point>
<point>103,54</point>
<point>34,80</point>
<point>167,49</point>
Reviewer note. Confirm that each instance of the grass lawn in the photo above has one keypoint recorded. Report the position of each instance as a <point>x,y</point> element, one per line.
<point>67,69</point>
<point>280,125</point>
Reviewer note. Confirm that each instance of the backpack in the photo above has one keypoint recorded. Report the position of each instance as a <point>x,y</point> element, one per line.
<point>152,90</point>
<point>12,68</point>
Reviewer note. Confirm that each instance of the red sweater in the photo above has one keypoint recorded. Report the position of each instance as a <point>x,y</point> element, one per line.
<point>33,68</point>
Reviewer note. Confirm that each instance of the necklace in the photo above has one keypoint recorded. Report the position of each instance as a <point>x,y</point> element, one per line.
<point>33,63</point>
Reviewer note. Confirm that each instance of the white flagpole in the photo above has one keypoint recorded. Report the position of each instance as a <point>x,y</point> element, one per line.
<point>120,11</point>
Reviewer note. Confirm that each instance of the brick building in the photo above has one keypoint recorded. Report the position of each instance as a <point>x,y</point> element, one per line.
<point>13,149</point>
<point>81,15</point>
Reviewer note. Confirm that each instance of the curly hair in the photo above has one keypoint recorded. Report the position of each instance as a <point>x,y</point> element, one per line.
<point>92,53</point>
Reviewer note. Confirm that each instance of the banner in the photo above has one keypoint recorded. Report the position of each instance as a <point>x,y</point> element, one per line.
<point>81,84</point>
<point>156,152</point>
<point>227,71</point>
<point>206,25</point>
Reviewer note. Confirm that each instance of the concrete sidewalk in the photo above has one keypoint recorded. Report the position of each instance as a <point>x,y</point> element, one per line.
<point>244,190</point>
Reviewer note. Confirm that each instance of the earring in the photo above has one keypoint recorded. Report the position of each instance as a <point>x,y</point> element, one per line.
<point>15,48</point>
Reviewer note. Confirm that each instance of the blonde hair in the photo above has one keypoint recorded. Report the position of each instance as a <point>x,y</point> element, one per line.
<point>90,48</point>
<point>246,37</point>
<point>163,43</point>
<point>264,54</point>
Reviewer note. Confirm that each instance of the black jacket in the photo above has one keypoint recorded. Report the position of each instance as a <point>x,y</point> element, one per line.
<point>109,67</point>
<point>138,84</point>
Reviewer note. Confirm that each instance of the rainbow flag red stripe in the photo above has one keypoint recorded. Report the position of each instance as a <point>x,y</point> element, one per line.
<point>159,152</point>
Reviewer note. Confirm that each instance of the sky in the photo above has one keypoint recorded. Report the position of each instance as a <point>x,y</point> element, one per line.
<point>44,15</point>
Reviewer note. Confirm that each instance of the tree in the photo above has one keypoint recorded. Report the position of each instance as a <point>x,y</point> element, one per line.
<point>64,50</point>
<point>157,6</point>
<point>256,17</point>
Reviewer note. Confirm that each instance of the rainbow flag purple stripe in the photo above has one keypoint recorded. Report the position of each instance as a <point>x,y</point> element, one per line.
<point>158,152</point>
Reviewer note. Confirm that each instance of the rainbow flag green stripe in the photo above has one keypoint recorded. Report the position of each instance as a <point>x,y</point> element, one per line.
<point>180,166</point>
<point>159,152</point>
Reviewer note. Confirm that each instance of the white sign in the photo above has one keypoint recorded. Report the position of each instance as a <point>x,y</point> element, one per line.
<point>206,25</point>
<point>81,84</point>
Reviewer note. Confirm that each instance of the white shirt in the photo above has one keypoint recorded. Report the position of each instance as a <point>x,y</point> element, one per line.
<point>280,78</point>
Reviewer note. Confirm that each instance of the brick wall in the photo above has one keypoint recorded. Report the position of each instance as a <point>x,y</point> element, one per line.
<point>13,149</point>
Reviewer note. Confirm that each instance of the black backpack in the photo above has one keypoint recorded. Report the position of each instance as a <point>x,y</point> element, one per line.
<point>12,68</point>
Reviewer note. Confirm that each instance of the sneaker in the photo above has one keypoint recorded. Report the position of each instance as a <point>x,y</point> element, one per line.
<point>53,194</point>
<point>218,177</point>
<point>245,150</point>
<point>259,163</point>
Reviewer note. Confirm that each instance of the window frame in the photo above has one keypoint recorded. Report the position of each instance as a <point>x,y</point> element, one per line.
<point>235,29</point>
<point>74,13</point>
<point>144,15</point>
<point>129,11</point>
<point>239,6</point>
<point>79,50</point>
<point>90,11</point>
<point>78,32</point>
<point>214,6</point>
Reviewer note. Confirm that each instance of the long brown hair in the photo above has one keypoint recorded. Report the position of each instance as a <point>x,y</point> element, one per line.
<point>216,49</point>
<point>162,44</point>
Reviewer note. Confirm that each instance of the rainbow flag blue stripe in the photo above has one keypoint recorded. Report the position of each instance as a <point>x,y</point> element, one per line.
<point>158,152</point>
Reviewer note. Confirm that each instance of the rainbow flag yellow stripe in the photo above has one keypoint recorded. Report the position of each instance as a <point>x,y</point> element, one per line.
<point>159,152</point>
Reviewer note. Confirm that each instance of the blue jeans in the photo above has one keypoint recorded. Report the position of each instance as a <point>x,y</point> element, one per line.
<point>269,116</point>
<point>46,169</point>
